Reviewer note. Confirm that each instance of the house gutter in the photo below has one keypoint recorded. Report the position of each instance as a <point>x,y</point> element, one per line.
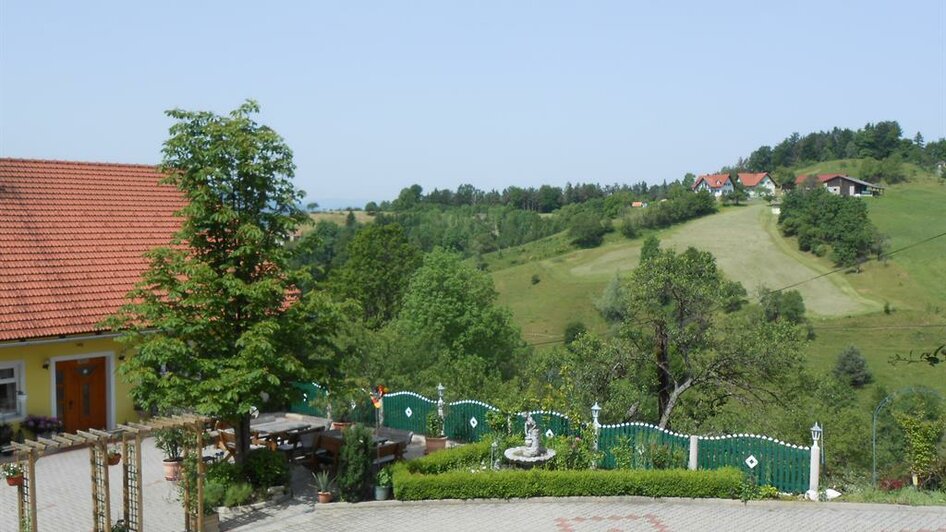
<point>59,340</point>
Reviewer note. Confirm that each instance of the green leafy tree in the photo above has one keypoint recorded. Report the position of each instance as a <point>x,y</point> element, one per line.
<point>650,249</point>
<point>451,304</point>
<point>586,230</point>
<point>573,330</point>
<point>379,267</point>
<point>217,324</point>
<point>675,327</point>
<point>782,305</point>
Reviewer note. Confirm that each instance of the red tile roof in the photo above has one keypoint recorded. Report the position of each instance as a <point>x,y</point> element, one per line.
<point>713,181</point>
<point>751,180</point>
<point>72,237</point>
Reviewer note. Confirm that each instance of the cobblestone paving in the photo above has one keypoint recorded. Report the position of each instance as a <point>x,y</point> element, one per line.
<point>64,504</point>
<point>597,514</point>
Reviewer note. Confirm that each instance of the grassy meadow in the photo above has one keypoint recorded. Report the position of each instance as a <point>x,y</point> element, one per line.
<point>846,308</point>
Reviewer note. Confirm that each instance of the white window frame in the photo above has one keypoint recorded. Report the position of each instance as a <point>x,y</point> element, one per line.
<point>19,379</point>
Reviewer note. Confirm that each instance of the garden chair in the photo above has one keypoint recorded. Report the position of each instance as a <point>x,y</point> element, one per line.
<point>328,452</point>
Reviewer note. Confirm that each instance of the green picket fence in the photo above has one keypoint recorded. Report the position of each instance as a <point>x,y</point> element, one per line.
<point>648,442</point>
<point>770,461</point>
<point>466,420</point>
<point>305,404</point>
<point>407,411</point>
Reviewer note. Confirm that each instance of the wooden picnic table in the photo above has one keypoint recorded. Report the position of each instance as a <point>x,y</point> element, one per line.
<point>275,432</point>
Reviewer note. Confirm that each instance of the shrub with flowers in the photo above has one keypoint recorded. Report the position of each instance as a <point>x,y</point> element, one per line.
<point>575,451</point>
<point>41,424</point>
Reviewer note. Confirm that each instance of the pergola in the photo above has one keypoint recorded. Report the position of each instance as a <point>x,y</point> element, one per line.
<point>129,436</point>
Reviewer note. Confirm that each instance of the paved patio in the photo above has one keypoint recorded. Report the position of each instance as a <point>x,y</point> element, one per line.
<point>64,504</point>
<point>611,514</point>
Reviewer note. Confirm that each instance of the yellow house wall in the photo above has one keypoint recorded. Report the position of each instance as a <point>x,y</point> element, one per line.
<point>38,381</point>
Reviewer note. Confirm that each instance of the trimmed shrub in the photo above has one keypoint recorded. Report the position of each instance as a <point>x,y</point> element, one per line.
<point>507,484</point>
<point>265,468</point>
<point>464,456</point>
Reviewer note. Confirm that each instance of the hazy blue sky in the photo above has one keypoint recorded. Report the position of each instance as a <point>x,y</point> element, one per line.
<point>375,96</point>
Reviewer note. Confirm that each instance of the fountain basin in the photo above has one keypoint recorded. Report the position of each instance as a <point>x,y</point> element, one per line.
<point>520,456</point>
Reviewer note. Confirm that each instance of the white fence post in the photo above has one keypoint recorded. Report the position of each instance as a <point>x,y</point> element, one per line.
<point>694,452</point>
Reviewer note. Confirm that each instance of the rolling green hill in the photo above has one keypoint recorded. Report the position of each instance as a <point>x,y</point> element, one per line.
<point>846,308</point>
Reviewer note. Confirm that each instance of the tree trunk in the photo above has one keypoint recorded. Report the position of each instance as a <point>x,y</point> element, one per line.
<point>242,429</point>
<point>672,402</point>
<point>664,380</point>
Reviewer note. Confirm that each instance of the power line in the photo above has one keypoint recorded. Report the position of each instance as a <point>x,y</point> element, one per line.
<point>844,268</point>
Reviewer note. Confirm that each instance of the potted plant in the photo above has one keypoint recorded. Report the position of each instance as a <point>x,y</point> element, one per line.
<point>13,472</point>
<point>433,435</point>
<point>171,443</point>
<point>323,485</point>
<point>341,411</point>
<point>382,487</point>
<point>114,455</point>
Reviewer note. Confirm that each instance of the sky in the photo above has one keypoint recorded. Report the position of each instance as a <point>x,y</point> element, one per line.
<point>375,96</point>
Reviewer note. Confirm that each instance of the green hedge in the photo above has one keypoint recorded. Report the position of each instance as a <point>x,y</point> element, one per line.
<point>508,483</point>
<point>464,456</point>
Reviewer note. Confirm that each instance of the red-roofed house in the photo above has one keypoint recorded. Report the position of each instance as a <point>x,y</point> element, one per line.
<point>757,184</point>
<point>841,184</point>
<point>72,236</point>
<point>718,184</point>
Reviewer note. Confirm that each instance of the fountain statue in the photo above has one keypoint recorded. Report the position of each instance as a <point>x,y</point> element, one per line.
<point>532,452</point>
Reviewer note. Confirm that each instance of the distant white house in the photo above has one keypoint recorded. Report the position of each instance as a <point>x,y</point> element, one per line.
<point>717,184</point>
<point>758,184</point>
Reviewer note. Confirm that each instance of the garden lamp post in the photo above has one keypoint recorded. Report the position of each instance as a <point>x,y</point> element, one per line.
<point>595,411</point>
<point>815,464</point>
<point>440,390</point>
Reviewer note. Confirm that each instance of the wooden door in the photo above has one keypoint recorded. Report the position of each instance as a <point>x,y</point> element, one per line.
<point>81,393</point>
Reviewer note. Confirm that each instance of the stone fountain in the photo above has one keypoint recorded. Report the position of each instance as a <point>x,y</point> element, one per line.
<point>532,453</point>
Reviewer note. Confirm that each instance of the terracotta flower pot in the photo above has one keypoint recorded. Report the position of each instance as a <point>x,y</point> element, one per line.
<point>172,469</point>
<point>15,481</point>
<point>114,458</point>
<point>325,497</point>
<point>341,425</point>
<point>435,444</point>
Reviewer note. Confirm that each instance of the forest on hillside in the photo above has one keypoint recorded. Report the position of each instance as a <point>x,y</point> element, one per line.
<point>882,145</point>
